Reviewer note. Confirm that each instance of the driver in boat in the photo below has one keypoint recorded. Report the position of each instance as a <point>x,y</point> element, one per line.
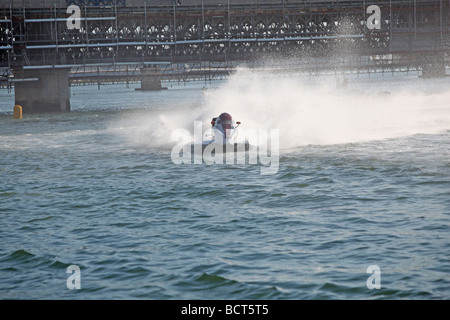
<point>225,124</point>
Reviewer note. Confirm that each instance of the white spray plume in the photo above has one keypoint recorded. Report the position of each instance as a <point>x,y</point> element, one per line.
<point>307,110</point>
<point>313,111</point>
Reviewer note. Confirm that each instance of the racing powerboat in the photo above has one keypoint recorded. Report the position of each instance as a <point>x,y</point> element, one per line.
<point>225,136</point>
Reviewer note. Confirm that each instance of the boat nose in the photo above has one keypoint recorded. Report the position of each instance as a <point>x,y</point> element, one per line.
<point>227,131</point>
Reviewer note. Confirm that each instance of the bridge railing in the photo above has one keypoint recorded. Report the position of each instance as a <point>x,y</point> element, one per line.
<point>215,30</point>
<point>199,3</point>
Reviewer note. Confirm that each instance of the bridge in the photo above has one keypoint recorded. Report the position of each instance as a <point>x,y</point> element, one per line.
<point>46,45</point>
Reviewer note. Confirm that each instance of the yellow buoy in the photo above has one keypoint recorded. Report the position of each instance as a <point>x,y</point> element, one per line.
<point>17,113</point>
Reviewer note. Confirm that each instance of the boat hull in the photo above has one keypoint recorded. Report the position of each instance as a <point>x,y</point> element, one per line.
<point>214,147</point>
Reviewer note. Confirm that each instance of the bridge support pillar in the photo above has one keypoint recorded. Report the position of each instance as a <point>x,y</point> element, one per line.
<point>433,65</point>
<point>149,83</point>
<point>151,79</point>
<point>42,90</point>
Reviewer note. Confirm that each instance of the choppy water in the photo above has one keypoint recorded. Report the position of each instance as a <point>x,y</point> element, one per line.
<point>363,179</point>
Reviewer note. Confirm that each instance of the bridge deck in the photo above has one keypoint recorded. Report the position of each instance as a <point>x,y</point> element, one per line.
<point>181,3</point>
<point>35,33</point>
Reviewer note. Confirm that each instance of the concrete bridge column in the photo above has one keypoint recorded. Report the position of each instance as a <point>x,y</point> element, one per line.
<point>151,82</point>
<point>433,65</point>
<point>151,79</point>
<point>42,90</point>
